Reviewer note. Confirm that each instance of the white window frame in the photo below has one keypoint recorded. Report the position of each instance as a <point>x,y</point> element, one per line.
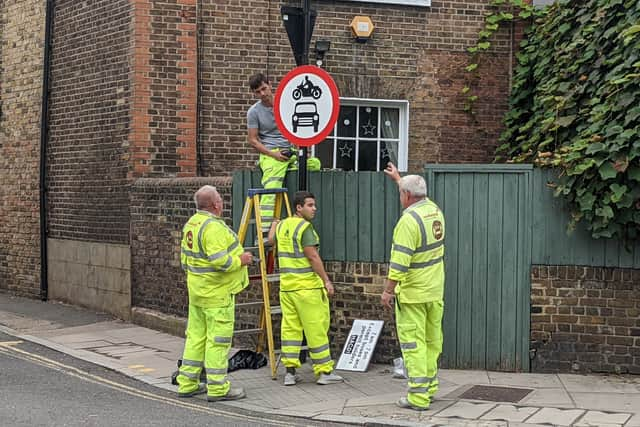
<point>403,128</point>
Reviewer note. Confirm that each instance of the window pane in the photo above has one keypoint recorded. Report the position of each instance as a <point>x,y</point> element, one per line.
<point>347,121</point>
<point>368,122</point>
<point>324,151</point>
<point>390,123</point>
<point>388,153</point>
<point>346,155</point>
<point>367,156</point>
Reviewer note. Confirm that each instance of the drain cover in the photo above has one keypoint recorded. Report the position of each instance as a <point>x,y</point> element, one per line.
<point>495,393</point>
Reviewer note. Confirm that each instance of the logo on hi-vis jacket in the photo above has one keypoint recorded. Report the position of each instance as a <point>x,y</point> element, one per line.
<point>436,228</point>
<point>190,239</point>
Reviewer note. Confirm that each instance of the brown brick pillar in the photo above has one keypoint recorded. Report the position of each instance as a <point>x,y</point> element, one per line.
<point>164,89</point>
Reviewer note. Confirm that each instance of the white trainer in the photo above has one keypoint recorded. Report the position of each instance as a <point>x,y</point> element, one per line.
<point>291,379</point>
<point>329,378</point>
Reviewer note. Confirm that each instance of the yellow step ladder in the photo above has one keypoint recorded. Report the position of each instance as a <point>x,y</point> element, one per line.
<point>266,266</point>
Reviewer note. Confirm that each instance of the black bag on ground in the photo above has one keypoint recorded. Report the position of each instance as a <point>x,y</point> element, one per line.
<point>246,359</point>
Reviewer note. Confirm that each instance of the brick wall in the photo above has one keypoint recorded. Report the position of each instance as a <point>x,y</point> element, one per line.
<point>417,54</point>
<point>89,121</point>
<point>164,80</point>
<point>159,209</point>
<point>585,319</point>
<point>21,53</point>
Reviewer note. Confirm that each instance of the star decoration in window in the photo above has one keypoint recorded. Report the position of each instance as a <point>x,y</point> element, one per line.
<point>345,150</point>
<point>384,153</point>
<point>369,129</point>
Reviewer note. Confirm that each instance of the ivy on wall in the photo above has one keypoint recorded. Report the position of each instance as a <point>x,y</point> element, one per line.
<point>575,106</point>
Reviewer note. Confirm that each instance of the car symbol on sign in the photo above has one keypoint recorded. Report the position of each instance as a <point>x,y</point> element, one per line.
<point>305,114</point>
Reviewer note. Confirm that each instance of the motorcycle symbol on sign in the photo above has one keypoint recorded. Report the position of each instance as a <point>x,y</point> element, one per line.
<point>306,88</point>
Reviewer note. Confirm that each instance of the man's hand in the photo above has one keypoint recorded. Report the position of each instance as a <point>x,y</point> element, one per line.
<point>392,172</point>
<point>246,258</point>
<point>279,156</point>
<point>386,299</point>
<point>329,286</point>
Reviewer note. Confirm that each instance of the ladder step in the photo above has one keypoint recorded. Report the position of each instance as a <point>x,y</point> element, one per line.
<point>271,278</point>
<point>248,331</point>
<point>275,309</point>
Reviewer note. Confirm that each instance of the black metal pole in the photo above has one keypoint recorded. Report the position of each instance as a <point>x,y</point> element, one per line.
<point>302,154</point>
<point>44,133</point>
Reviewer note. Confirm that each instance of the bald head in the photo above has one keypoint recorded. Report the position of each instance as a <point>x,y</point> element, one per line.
<point>208,199</point>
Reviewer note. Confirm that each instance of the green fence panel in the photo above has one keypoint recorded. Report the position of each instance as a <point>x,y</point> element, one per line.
<point>553,244</point>
<point>487,259</point>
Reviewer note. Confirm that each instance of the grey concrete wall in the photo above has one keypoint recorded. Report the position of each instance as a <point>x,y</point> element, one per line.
<point>91,274</point>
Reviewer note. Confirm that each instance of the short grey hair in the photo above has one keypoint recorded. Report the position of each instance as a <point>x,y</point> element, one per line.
<point>414,185</point>
<point>202,194</point>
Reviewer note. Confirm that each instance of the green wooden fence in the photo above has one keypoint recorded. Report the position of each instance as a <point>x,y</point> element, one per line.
<point>552,245</point>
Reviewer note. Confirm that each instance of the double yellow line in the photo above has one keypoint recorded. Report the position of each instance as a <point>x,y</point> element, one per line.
<point>9,348</point>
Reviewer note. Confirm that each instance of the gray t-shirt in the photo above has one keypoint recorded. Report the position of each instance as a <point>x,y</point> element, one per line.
<point>261,117</point>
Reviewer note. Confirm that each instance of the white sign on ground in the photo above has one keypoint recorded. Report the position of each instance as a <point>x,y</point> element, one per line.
<point>360,344</point>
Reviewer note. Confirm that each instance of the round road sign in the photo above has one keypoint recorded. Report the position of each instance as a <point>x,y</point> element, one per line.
<point>306,105</point>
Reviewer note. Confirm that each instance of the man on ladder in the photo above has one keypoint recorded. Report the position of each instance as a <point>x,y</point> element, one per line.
<point>305,289</point>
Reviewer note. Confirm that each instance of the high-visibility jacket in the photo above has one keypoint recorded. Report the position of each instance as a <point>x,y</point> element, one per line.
<point>210,254</point>
<point>417,254</point>
<point>295,269</point>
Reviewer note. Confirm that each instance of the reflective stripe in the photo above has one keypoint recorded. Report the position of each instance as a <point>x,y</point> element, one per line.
<point>417,390</point>
<point>432,246</point>
<point>423,232</point>
<point>421,380</point>
<point>401,268</point>
<point>290,255</point>
<point>193,254</point>
<point>227,264</point>
<point>217,382</point>
<point>187,362</point>
<point>223,253</point>
<point>408,345</point>
<point>426,264</point>
<point>290,343</point>
<point>402,249</point>
<point>201,231</point>
<point>201,270</point>
<point>213,371</point>
<point>223,340</point>
<point>189,375</point>
<point>319,361</point>
<point>297,270</point>
<point>296,249</point>
<point>319,349</point>
<point>273,179</point>
<point>290,355</point>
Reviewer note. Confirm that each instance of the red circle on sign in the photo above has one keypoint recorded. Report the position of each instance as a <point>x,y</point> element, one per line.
<point>335,110</point>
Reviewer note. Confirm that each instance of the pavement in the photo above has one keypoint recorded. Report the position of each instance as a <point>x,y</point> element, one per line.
<point>465,398</point>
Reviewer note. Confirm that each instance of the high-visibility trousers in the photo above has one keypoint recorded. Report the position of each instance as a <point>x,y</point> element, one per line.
<point>273,175</point>
<point>209,334</point>
<point>419,329</point>
<point>306,310</point>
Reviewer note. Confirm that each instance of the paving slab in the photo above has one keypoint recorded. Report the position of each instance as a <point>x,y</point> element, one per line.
<point>606,383</point>
<point>510,413</point>
<point>613,402</point>
<point>525,380</point>
<point>464,377</point>
<point>553,416</point>
<point>553,397</point>
<point>390,411</point>
<point>604,419</point>
<point>467,410</point>
<point>634,421</point>
<point>333,406</point>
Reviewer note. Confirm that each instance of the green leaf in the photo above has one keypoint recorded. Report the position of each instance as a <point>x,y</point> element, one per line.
<point>618,191</point>
<point>471,67</point>
<point>633,172</point>
<point>607,171</point>
<point>632,115</point>
<point>595,147</point>
<point>605,212</point>
<point>565,121</point>
<point>484,45</point>
<point>466,89</point>
<point>586,201</point>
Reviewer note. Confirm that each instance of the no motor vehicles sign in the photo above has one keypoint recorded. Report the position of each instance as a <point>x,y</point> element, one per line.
<point>306,105</point>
